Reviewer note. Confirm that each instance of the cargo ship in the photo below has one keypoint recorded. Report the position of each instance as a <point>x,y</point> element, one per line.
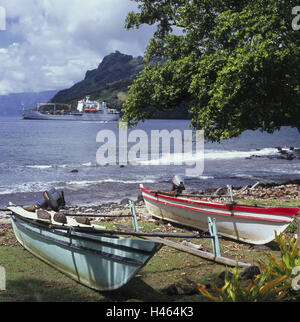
<point>86,111</point>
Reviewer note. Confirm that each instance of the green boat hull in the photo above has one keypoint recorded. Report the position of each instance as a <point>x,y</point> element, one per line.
<point>101,262</point>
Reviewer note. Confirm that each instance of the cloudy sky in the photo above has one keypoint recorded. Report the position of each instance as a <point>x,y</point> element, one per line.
<point>50,44</point>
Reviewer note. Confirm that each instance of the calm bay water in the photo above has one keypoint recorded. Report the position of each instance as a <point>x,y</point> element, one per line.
<point>36,155</point>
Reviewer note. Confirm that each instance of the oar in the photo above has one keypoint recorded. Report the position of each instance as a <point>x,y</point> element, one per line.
<point>100,215</point>
<point>187,195</point>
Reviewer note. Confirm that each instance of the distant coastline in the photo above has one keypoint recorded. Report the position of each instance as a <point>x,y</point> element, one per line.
<point>11,105</point>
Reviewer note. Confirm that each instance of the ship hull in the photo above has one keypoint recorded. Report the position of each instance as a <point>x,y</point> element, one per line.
<point>36,115</point>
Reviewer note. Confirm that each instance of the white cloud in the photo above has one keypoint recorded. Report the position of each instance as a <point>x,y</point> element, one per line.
<point>59,40</point>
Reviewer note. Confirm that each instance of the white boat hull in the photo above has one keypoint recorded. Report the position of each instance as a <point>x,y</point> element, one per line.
<point>254,225</point>
<point>100,261</point>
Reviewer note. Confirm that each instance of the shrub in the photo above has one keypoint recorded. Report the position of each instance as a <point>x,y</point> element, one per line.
<point>272,284</point>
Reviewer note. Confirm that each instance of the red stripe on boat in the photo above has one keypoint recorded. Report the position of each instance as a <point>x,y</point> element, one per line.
<point>281,211</point>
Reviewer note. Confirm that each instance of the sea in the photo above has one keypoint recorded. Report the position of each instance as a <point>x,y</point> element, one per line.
<point>36,155</point>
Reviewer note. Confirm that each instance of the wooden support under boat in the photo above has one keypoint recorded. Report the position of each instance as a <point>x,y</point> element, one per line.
<point>200,253</point>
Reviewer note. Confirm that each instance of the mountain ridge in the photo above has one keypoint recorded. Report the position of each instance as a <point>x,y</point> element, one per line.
<point>115,73</point>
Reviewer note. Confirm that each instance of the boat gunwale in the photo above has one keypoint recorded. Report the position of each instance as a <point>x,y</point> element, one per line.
<point>293,211</point>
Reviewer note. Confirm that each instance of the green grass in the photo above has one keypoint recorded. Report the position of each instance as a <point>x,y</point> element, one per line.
<point>30,280</point>
<point>279,202</point>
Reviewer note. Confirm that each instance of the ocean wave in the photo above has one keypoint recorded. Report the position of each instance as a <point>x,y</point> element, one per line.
<point>88,164</point>
<point>180,158</point>
<point>173,158</point>
<point>42,167</point>
<point>177,158</point>
<point>39,166</point>
<point>223,155</point>
<point>288,170</point>
<point>200,177</point>
<point>30,187</point>
<point>244,176</point>
<point>42,186</point>
<point>86,183</point>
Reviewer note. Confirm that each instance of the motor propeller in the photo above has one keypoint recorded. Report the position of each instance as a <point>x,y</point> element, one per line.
<point>53,199</point>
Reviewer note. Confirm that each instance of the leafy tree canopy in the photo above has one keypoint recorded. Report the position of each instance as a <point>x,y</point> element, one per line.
<point>234,63</point>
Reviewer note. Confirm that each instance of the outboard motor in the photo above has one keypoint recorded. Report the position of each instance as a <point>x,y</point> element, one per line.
<point>53,199</point>
<point>178,184</point>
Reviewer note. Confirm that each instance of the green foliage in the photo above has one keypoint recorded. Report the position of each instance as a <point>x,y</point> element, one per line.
<point>236,64</point>
<point>273,284</point>
<point>148,85</point>
<point>290,256</point>
<point>257,290</point>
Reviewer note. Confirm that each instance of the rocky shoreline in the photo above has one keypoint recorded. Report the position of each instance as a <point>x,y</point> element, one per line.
<point>289,154</point>
<point>269,191</point>
<point>258,191</point>
<point>283,192</point>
